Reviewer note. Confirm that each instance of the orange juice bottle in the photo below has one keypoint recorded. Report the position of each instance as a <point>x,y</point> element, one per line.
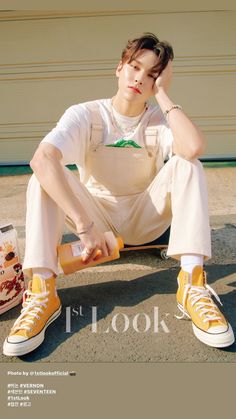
<point>70,254</point>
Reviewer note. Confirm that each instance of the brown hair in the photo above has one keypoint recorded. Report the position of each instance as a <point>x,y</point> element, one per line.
<point>148,40</point>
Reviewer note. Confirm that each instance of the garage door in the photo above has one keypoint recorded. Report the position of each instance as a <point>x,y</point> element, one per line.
<point>50,61</point>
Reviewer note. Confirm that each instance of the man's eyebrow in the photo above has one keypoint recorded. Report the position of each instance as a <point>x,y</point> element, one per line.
<point>152,70</point>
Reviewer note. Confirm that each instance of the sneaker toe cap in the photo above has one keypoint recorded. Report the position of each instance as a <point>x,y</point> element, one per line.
<point>16,339</point>
<point>218,329</point>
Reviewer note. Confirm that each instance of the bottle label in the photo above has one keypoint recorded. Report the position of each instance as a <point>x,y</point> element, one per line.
<point>77,249</point>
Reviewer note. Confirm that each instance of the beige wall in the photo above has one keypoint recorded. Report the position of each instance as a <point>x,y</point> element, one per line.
<point>50,61</point>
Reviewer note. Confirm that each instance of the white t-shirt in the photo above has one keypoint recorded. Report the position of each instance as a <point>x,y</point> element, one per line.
<point>73,131</point>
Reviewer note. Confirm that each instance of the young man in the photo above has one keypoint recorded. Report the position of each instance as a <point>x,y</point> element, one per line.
<point>127,190</point>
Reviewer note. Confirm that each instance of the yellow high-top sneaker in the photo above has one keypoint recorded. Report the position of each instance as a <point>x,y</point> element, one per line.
<point>195,301</point>
<point>41,306</point>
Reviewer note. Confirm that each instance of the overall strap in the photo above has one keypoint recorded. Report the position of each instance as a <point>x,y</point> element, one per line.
<point>96,123</point>
<point>150,134</point>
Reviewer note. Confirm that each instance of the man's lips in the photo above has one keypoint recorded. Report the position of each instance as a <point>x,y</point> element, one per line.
<point>135,89</point>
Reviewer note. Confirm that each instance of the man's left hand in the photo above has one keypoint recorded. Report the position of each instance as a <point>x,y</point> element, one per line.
<point>164,79</point>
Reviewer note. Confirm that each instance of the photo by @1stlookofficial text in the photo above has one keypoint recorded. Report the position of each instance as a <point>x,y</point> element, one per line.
<point>139,177</point>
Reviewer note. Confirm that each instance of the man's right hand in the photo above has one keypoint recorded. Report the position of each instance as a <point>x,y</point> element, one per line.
<point>94,242</point>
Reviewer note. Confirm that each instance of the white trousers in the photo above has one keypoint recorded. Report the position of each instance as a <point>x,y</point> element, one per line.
<point>177,196</point>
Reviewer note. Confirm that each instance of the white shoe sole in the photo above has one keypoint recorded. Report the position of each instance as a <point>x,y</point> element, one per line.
<point>216,340</point>
<point>23,348</point>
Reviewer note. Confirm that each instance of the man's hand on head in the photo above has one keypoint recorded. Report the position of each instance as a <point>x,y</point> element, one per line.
<point>164,79</point>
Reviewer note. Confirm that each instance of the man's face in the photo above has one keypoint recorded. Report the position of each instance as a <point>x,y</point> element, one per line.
<point>136,79</point>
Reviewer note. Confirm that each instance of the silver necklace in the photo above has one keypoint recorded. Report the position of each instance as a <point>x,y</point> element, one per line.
<point>119,130</point>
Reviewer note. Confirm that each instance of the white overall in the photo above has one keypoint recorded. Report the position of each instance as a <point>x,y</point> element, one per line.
<point>124,193</point>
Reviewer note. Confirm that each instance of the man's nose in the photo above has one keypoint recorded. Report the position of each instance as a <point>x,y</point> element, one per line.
<point>140,77</point>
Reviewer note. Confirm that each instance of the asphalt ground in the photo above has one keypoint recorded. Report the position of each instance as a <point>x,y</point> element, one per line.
<point>124,311</point>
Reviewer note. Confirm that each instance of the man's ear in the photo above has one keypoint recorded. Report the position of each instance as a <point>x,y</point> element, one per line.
<point>119,68</point>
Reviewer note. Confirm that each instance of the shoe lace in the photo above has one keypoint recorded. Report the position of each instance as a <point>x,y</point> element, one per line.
<point>32,305</point>
<point>206,307</point>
